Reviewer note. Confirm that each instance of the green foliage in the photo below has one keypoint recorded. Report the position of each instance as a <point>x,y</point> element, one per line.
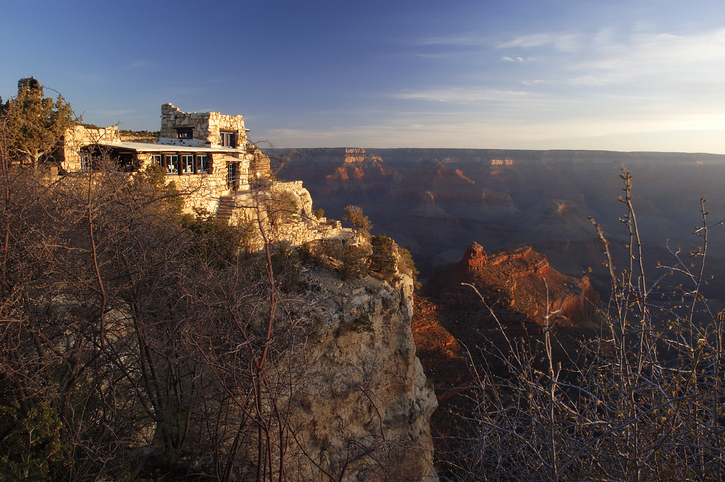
<point>35,123</point>
<point>406,265</point>
<point>319,213</point>
<point>363,324</point>
<point>348,258</point>
<point>360,223</point>
<point>33,447</point>
<point>283,208</point>
<point>382,258</point>
<point>354,260</point>
<point>306,254</point>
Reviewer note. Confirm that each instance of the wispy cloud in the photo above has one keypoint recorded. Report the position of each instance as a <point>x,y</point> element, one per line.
<point>462,95</point>
<point>516,59</point>
<point>672,58</point>
<point>567,42</point>
<point>607,57</point>
<point>453,40</point>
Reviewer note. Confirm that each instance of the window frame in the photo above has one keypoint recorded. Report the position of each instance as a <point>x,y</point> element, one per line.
<point>168,164</point>
<point>202,167</point>
<point>184,132</point>
<point>86,161</point>
<point>228,138</point>
<point>187,164</point>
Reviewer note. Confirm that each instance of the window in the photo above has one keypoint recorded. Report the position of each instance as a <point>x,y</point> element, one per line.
<point>227,139</point>
<point>172,164</point>
<point>185,133</point>
<point>202,164</point>
<point>187,163</point>
<point>156,160</point>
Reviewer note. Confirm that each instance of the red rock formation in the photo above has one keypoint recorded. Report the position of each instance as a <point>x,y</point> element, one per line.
<point>358,165</point>
<point>453,328</point>
<point>475,256</point>
<point>445,364</point>
<point>519,284</point>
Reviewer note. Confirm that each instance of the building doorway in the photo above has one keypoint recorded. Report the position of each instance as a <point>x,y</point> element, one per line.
<point>233,176</point>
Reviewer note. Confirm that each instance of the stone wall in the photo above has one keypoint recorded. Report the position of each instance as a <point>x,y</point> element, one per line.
<point>206,127</point>
<point>81,136</point>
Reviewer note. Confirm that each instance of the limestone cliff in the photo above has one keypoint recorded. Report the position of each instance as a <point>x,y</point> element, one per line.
<point>364,406</point>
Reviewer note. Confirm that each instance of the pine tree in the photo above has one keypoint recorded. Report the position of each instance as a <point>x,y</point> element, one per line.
<point>34,123</point>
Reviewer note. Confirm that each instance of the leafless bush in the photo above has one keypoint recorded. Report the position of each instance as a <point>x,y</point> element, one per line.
<point>642,401</point>
<point>135,337</point>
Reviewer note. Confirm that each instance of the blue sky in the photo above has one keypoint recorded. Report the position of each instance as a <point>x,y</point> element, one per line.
<point>547,74</point>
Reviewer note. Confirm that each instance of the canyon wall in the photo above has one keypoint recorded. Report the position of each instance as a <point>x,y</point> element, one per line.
<point>364,405</point>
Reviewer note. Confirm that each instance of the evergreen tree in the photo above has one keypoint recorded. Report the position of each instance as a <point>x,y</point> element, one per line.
<point>34,123</point>
<point>383,259</point>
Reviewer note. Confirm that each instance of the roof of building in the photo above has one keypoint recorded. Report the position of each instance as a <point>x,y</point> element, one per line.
<point>155,147</point>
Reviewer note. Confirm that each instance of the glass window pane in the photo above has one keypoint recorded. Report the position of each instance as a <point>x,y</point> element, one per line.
<point>202,164</point>
<point>188,163</point>
<point>172,164</point>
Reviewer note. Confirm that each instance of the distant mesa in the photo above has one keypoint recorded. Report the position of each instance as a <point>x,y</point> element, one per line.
<point>502,162</point>
<point>358,165</point>
<point>445,185</point>
<point>428,208</point>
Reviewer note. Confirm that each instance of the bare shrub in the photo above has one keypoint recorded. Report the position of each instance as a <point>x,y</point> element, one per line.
<point>642,400</point>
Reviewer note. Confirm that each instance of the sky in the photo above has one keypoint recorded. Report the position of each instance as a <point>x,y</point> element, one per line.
<point>637,75</point>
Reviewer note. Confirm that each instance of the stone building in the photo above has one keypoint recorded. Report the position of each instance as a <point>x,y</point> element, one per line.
<point>207,154</point>
<point>212,163</point>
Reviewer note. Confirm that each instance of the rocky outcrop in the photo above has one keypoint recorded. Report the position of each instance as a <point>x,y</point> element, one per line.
<point>458,338</point>
<point>286,212</point>
<point>364,406</point>
<point>519,284</point>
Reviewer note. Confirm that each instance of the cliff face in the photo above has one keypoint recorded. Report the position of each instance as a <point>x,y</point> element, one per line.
<point>364,406</point>
<point>518,284</point>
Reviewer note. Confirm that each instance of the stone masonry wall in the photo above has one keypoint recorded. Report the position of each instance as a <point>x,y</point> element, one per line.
<point>206,127</point>
<point>202,191</point>
<point>80,136</point>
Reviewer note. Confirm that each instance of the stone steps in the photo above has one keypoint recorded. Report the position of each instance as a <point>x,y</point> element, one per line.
<point>227,205</point>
